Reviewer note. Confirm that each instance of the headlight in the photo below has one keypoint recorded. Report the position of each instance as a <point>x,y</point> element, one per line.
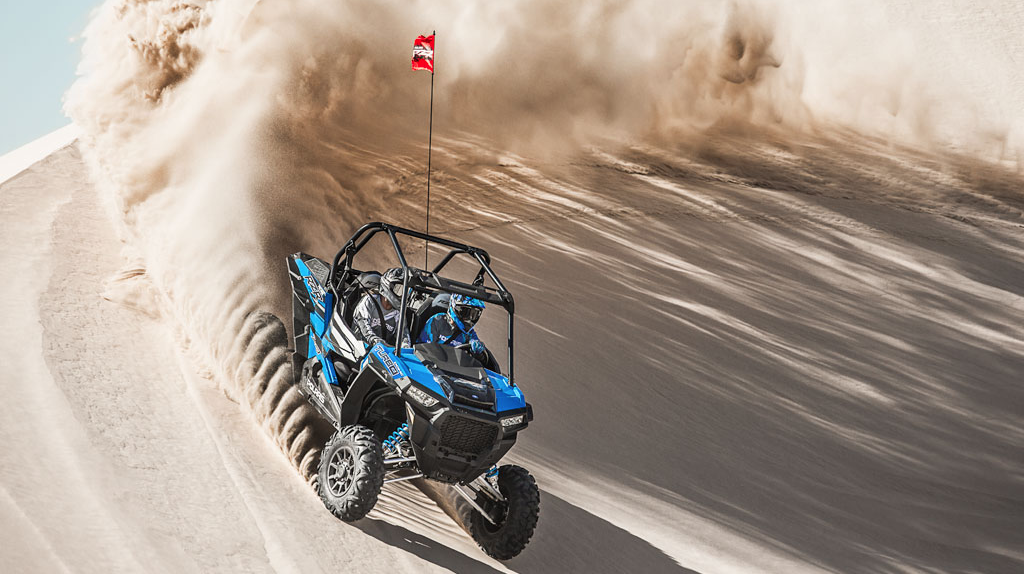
<point>513,421</point>
<point>421,397</point>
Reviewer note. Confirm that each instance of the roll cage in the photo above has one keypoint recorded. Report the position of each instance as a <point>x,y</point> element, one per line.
<point>423,281</point>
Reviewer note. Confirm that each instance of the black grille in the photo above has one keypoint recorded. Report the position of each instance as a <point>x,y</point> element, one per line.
<point>467,435</point>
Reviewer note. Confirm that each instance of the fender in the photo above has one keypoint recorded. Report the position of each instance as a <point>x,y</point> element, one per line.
<point>352,406</point>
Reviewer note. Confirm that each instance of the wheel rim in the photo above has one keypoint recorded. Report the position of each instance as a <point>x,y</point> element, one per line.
<point>340,471</point>
<point>502,508</point>
<point>503,516</point>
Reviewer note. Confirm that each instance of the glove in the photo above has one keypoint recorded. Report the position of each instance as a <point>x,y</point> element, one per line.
<point>476,347</point>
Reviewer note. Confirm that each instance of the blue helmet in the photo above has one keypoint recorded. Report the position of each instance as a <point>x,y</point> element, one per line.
<point>465,311</point>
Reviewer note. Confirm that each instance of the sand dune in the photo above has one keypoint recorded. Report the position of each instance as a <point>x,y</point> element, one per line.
<point>732,370</point>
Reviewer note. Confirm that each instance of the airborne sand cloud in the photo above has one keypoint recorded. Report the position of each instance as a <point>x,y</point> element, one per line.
<point>225,134</point>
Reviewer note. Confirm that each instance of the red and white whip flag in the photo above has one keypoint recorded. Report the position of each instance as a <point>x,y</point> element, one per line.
<point>423,59</point>
<point>423,53</point>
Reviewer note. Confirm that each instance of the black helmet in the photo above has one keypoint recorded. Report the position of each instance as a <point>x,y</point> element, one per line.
<point>391,286</point>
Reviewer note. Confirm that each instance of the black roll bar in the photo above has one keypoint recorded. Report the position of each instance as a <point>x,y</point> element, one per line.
<point>365,233</point>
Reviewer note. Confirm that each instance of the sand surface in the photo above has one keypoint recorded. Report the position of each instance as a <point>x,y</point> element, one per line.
<point>731,374</point>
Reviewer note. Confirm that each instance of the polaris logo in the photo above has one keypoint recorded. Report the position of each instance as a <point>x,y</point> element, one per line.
<point>315,391</point>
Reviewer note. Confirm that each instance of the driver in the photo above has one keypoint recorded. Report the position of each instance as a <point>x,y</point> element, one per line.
<point>455,327</point>
<point>383,295</point>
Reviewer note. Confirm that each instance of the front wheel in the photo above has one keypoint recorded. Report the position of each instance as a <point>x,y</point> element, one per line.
<point>351,472</point>
<point>519,512</point>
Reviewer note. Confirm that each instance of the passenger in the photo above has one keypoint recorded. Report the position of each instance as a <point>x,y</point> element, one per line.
<point>384,294</point>
<point>455,327</point>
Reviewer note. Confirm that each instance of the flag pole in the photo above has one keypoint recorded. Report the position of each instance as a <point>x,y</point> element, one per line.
<point>430,146</point>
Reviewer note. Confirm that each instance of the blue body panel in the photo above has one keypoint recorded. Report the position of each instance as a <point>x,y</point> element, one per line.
<point>419,373</point>
<point>506,397</point>
<point>316,321</point>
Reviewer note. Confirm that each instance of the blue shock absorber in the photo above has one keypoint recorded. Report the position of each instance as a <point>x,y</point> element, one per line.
<point>493,472</point>
<point>397,437</point>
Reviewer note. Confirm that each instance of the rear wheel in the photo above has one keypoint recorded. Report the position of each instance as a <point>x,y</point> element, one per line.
<point>517,514</point>
<point>351,472</point>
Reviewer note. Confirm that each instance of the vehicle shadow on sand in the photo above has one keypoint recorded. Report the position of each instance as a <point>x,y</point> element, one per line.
<point>570,539</point>
<point>423,547</point>
<point>567,539</point>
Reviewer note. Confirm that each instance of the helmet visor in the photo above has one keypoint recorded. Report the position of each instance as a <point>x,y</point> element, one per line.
<point>392,291</point>
<point>468,314</point>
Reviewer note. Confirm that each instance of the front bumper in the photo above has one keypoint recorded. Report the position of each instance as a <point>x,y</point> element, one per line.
<point>457,444</point>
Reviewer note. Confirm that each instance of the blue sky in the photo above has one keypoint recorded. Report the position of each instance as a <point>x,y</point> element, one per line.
<point>37,65</point>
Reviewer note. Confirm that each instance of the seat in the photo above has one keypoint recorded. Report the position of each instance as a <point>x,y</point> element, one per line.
<point>432,306</point>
